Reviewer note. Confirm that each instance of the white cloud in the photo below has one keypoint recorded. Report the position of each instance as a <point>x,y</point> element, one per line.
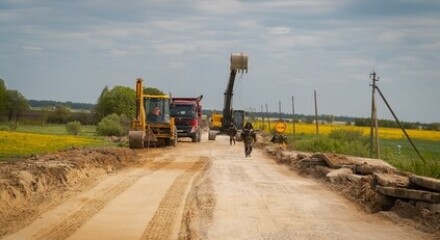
<point>32,48</point>
<point>174,48</point>
<point>219,7</point>
<point>279,30</point>
<point>391,36</point>
<point>300,5</point>
<point>119,53</point>
<point>355,62</point>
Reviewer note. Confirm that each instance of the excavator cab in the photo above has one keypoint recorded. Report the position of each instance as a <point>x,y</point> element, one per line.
<point>157,109</point>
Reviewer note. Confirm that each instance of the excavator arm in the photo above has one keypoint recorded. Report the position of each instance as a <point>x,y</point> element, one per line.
<point>239,64</point>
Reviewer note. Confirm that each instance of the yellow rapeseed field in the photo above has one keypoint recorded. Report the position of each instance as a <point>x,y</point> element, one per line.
<point>15,144</point>
<point>385,133</point>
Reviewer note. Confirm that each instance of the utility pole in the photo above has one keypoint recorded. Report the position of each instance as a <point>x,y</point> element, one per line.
<point>279,110</point>
<point>293,116</point>
<point>267,117</point>
<point>262,115</point>
<point>374,132</point>
<point>400,125</point>
<point>316,114</point>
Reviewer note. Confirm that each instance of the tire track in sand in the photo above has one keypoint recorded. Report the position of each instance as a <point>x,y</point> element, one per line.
<point>71,223</point>
<point>164,220</point>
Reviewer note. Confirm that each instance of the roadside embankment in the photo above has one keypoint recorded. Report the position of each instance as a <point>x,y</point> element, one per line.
<point>30,186</point>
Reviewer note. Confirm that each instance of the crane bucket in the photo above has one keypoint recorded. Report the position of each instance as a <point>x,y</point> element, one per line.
<point>239,62</point>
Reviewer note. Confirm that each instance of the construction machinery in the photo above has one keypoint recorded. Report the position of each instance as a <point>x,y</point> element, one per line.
<point>153,125</point>
<point>239,64</point>
<point>187,113</point>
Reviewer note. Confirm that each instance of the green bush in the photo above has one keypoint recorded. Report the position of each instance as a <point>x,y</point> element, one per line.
<point>110,125</point>
<point>73,127</point>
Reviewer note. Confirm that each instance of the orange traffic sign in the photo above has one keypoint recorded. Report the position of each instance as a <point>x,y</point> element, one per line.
<point>280,127</point>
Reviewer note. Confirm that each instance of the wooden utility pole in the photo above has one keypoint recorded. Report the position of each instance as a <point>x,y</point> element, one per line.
<point>293,116</point>
<point>262,116</point>
<point>267,117</point>
<point>279,109</point>
<point>400,125</point>
<point>316,114</point>
<point>374,129</point>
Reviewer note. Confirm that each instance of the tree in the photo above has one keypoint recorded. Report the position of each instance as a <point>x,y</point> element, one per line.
<point>153,91</point>
<point>103,92</point>
<point>16,103</point>
<point>119,100</point>
<point>2,96</point>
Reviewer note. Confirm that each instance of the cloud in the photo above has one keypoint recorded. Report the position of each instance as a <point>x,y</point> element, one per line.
<point>298,44</point>
<point>32,48</point>
<point>279,30</point>
<point>219,7</point>
<point>355,62</point>
<point>391,36</point>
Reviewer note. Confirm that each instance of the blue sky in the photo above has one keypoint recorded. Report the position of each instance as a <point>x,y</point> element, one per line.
<point>70,50</point>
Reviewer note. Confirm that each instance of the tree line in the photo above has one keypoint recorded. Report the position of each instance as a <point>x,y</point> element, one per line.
<point>69,104</point>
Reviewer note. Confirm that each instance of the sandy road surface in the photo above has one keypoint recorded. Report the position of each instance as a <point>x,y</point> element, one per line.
<point>210,191</point>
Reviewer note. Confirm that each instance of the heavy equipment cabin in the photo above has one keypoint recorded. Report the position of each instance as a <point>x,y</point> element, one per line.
<point>152,125</point>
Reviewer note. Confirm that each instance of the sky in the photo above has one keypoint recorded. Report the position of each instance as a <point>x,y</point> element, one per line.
<point>70,50</point>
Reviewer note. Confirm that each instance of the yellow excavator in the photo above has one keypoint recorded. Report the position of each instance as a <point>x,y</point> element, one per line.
<point>153,125</point>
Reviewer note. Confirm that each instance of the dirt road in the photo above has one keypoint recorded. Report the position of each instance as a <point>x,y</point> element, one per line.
<point>210,191</point>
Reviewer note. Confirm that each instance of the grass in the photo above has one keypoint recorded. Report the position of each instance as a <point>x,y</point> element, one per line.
<point>27,140</point>
<point>356,143</point>
<point>405,158</point>
<point>55,129</point>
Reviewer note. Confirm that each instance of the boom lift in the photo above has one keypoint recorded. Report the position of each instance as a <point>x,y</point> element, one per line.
<point>153,124</point>
<point>239,64</point>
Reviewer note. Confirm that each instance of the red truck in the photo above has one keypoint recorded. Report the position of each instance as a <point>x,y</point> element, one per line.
<point>187,113</point>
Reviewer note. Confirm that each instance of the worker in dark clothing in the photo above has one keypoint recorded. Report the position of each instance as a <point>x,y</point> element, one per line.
<point>232,131</point>
<point>249,137</point>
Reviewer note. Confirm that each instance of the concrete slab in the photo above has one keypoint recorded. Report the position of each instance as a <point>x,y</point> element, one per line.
<point>409,194</point>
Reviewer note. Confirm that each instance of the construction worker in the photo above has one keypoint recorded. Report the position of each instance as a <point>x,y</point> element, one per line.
<point>232,131</point>
<point>155,113</point>
<point>249,137</point>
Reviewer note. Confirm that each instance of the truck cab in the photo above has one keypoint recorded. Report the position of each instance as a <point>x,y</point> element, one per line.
<point>187,113</point>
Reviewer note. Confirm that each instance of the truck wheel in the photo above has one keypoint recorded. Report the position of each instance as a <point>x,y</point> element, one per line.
<point>211,135</point>
<point>174,141</point>
<point>136,139</point>
<point>199,139</point>
<point>195,138</point>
